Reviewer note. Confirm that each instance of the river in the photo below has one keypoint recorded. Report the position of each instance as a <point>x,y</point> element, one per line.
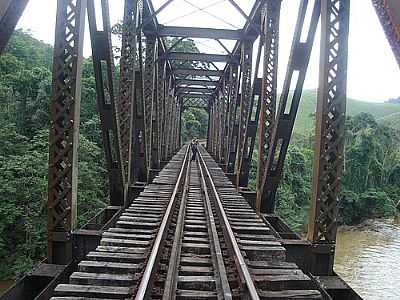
<point>368,257</point>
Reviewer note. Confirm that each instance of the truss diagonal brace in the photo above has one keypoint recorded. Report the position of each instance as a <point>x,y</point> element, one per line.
<point>246,96</point>
<point>102,53</point>
<point>283,127</point>
<point>10,12</point>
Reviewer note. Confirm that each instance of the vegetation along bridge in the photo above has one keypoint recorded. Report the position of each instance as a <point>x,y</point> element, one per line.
<point>177,228</point>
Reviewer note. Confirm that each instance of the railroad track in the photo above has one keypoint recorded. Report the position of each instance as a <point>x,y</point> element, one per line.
<point>189,235</point>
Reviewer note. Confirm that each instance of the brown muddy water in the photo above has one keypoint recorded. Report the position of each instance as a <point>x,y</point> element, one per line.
<point>368,257</point>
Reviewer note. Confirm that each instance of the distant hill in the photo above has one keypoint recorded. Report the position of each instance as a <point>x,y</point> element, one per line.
<point>387,113</point>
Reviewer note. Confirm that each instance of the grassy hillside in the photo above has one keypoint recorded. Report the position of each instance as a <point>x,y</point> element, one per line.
<point>386,113</point>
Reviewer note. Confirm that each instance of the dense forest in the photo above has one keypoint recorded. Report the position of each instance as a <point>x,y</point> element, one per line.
<point>371,179</point>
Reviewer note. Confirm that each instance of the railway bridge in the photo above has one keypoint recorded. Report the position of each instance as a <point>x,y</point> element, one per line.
<point>177,228</point>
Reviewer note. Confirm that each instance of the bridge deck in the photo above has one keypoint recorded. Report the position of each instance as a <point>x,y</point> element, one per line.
<point>189,234</point>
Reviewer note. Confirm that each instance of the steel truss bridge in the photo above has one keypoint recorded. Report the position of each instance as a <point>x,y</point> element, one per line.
<point>177,228</point>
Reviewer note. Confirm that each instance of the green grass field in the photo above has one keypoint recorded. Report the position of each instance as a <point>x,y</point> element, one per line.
<point>387,113</point>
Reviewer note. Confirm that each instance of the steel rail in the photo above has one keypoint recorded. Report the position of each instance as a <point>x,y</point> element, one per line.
<point>148,274</point>
<point>218,255</point>
<point>171,280</point>
<point>241,265</point>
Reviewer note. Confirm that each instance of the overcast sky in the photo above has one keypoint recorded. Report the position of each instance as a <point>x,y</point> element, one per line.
<point>373,74</point>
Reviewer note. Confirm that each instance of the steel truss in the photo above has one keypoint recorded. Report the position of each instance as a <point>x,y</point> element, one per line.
<point>139,122</point>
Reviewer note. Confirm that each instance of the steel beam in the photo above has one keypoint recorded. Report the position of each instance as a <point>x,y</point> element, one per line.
<point>224,121</point>
<point>148,93</point>
<point>283,127</point>
<point>389,15</point>
<point>198,72</point>
<point>246,96</point>
<point>64,129</point>
<point>103,65</point>
<point>132,78</point>
<point>251,133</point>
<point>10,12</point>
<point>161,81</point>
<point>270,35</point>
<point>196,82</point>
<point>197,32</point>
<point>252,118</point>
<point>200,57</point>
<point>195,89</point>
<point>330,130</point>
<point>166,116</point>
<point>233,120</point>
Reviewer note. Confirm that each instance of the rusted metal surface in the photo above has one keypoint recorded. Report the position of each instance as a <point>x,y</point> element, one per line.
<point>288,105</point>
<point>142,127</point>
<point>148,92</point>
<point>130,98</point>
<point>330,122</point>
<point>270,36</point>
<point>388,12</point>
<point>245,99</point>
<point>232,120</point>
<point>64,129</point>
<point>10,12</point>
<point>103,63</point>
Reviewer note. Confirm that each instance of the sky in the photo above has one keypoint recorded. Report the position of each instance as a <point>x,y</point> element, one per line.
<point>373,74</point>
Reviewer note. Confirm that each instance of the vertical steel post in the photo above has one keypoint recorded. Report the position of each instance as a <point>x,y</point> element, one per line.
<point>10,12</point>
<point>217,128</point>
<point>225,125</point>
<point>130,100</point>
<point>161,74</point>
<point>232,130</point>
<point>270,36</point>
<point>330,122</point>
<point>148,91</point>
<point>246,66</point>
<point>64,129</point>
<point>180,121</point>
<point>222,112</point>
